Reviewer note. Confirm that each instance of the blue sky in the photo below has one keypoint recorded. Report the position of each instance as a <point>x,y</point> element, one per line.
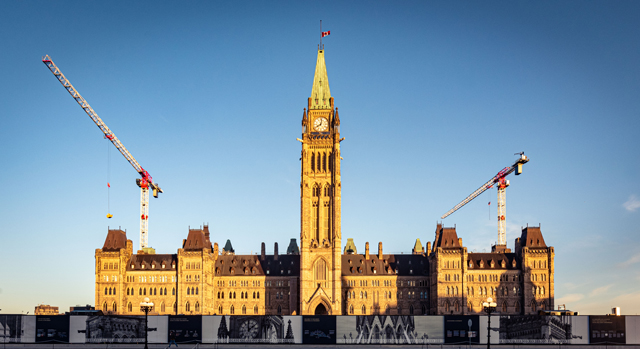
<point>434,98</point>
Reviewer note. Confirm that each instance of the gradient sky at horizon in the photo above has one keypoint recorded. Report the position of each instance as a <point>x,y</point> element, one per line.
<point>435,97</point>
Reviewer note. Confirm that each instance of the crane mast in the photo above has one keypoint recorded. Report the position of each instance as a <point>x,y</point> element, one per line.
<point>502,183</point>
<point>145,182</point>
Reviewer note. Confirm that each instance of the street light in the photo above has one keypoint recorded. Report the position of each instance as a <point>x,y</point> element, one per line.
<point>489,307</point>
<point>146,307</point>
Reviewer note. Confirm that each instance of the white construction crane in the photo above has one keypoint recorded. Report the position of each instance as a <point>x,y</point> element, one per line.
<point>145,182</point>
<point>502,197</point>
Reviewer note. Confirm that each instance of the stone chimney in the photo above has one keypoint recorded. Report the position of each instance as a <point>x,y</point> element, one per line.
<point>263,252</point>
<point>216,251</point>
<point>428,248</point>
<point>275,251</point>
<point>366,250</point>
<point>460,241</point>
<point>380,250</point>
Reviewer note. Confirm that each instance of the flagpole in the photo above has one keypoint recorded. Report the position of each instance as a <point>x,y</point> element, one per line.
<point>321,35</point>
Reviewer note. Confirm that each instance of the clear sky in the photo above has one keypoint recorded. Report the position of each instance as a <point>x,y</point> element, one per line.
<point>435,97</point>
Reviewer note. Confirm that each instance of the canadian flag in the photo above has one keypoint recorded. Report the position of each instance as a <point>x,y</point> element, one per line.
<point>326,33</point>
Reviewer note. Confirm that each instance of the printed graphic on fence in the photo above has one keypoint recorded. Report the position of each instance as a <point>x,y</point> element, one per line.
<point>389,329</point>
<point>254,329</point>
<point>538,329</point>
<point>17,329</point>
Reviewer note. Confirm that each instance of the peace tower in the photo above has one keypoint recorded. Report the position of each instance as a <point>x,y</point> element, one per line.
<point>320,186</point>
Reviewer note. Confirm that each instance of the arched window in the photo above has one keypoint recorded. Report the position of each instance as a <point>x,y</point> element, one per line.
<point>197,306</point>
<point>351,309</point>
<point>218,294</point>
<point>230,295</point>
<point>196,290</point>
<point>106,292</point>
<point>517,307</point>
<point>456,290</point>
<point>165,291</point>
<point>144,291</point>
<point>127,291</point>
<point>364,309</point>
<point>114,307</point>
<point>448,290</point>
<point>457,306</point>
<point>255,310</point>
<point>447,307</point>
<point>187,307</point>
<point>320,272</point>
<point>155,291</point>
<point>504,307</point>
<point>313,162</point>
<point>319,162</point>
<point>244,310</point>
<point>411,310</point>
<point>175,308</point>
<point>361,294</point>
<point>254,294</point>
<point>365,294</point>
<point>104,307</point>
<point>279,310</point>
<point>533,306</point>
<point>162,307</point>
<point>241,295</point>
<point>234,295</point>
<point>220,309</point>
<point>258,294</point>
<point>188,291</point>
<point>542,289</point>
<point>424,310</point>
<point>173,291</point>
<point>231,310</point>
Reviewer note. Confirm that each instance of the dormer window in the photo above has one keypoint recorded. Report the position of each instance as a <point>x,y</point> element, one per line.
<point>173,265</point>
<point>133,266</point>
<point>513,263</point>
<point>481,264</point>
<point>142,266</point>
<point>470,264</point>
<point>153,266</point>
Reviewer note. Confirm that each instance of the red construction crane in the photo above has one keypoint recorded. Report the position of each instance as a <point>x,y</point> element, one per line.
<point>145,182</point>
<point>502,197</point>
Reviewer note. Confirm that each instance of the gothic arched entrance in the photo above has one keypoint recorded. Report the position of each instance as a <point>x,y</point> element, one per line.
<point>321,310</point>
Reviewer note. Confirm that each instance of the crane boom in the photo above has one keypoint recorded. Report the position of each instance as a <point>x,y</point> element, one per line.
<point>499,178</point>
<point>503,173</point>
<point>145,181</point>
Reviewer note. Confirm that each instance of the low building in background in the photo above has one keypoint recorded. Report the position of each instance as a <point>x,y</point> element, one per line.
<point>44,309</point>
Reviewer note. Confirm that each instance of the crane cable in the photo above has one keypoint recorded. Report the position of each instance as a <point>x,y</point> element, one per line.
<point>109,215</point>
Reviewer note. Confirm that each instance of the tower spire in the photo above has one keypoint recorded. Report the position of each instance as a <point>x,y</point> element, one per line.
<point>320,92</point>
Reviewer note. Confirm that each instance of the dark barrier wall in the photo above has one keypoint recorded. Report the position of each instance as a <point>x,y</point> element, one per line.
<point>463,328</point>
<point>319,329</point>
<point>607,329</point>
<point>185,328</point>
<point>361,329</point>
<point>52,328</point>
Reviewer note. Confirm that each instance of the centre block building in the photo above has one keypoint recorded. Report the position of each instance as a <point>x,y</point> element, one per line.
<point>320,276</point>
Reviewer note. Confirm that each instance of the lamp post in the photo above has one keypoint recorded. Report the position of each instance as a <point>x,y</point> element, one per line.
<point>146,307</point>
<point>489,307</point>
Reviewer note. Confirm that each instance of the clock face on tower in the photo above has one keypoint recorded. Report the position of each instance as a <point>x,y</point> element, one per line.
<point>321,124</point>
<point>249,329</point>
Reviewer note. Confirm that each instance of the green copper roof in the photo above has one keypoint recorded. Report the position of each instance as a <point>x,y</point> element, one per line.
<point>320,93</point>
